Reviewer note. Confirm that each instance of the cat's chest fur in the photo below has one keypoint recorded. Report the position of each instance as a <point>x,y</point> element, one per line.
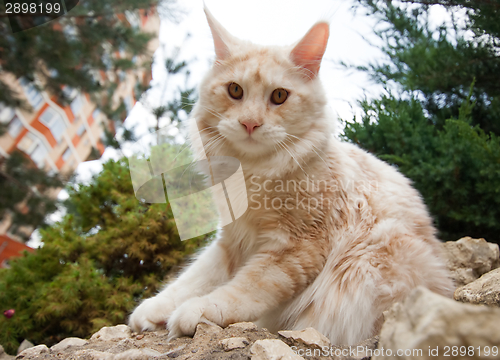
<point>312,210</point>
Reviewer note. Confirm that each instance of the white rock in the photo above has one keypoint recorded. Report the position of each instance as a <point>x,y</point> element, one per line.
<point>26,344</point>
<point>93,355</point>
<point>203,329</point>
<point>234,343</point>
<point>68,342</point>
<point>5,356</point>
<point>245,326</point>
<point>33,351</point>
<point>426,320</point>
<point>468,259</point>
<point>137,354</point>
<point>117,332</point>
<point>308,336</point>
<point>485,290</point>
<point>272,350</point>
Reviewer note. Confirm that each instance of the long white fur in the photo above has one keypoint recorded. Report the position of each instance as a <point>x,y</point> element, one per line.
<point>335,268</point>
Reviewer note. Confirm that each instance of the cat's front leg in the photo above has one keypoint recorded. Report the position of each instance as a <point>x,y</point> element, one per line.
<point>200,278</point>
<point>261,285</point>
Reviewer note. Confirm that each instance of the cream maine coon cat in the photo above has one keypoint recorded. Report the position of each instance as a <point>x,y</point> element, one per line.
<point>332,236</point>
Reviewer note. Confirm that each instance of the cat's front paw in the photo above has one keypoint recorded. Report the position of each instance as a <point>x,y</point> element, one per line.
<point>192,312</point>
<point>152,314</point>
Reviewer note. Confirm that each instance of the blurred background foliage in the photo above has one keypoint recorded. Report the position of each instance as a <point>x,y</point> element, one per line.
<point>439,120</point>
<point>109,251</point>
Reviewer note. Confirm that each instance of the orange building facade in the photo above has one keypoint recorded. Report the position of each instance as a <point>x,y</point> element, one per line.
<point>59,137</point>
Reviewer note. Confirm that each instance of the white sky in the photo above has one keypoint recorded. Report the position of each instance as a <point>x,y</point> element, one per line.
<point>268,22</point>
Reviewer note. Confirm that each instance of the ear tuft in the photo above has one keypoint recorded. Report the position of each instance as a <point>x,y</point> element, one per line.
<point>308,53</point>
<point>220,35</point>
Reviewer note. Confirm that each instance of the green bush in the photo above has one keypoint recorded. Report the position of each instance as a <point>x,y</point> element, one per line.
<point>456,168</point>
<point>108,252</point>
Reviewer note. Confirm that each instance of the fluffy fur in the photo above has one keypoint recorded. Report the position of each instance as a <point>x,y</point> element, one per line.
<point>332,236</point>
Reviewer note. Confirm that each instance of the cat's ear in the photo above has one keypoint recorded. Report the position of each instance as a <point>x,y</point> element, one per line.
<point>309,51</point>
<point>221,37</point>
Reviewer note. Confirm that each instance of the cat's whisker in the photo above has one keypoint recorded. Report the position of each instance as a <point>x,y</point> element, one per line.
<point>214,113</point>
<point>298,157</point>
<point>213,143</point>
<point>283,146</point>
<point>313,147</point>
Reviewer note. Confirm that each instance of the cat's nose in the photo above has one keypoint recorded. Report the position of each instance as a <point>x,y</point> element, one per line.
<point>250,126</point>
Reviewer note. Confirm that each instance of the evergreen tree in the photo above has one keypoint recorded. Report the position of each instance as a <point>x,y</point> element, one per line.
<point>108,252</point>
<point>441,125</point>
<point>440,64</point>
<point>184,99</point>
<point>26,193</point>
<point>70,51</point>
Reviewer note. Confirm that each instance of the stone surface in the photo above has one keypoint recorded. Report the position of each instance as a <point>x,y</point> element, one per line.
<point>68,342</point>
<point>204,330</point>
<point>485,290</point>
<point>137,354</point>
<point>272,350</point>
<point>234,343</point>
<point>33,351</point>
<point>308,336</point>
<point>4,355</point>
<point>246,326</point>
<point>426,321</point>
<point>468,259</point>
<point>209,343</point>
<point>25,344</point>
<point>92,355</point>
<point>117,332</point>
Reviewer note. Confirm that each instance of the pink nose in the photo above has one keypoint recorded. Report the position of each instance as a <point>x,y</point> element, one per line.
<point>250,126</point>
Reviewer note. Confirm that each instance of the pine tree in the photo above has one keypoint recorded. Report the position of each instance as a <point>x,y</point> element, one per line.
<point>71,49</point>
<point>108,252</point>
<point>67,52</point>
<point>26,193</point>
<point>441,124</point>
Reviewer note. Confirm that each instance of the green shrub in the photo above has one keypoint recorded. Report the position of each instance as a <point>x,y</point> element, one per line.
<point>108,252</point>
<point>456,168</point>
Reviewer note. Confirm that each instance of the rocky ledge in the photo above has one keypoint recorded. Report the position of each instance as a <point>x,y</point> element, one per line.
<point>237,341</point>
<point>424,326</point>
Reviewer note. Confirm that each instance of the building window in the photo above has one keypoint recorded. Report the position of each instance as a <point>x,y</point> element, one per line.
<point>133,18</point>
<point>54,122</point>
<point>129,103</point>
<point>6,114</point>
<point>66,154</point>
<point>38,155</point>
<point>15,127</point>
<point>32,146</point>
<point>34,97</point>
<point>76,105</point>
<point>80,130</point>
<point>96,113</point>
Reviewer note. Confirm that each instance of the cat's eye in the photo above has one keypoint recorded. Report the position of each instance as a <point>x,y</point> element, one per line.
<point>279,96</point>
<point>235,91</point>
